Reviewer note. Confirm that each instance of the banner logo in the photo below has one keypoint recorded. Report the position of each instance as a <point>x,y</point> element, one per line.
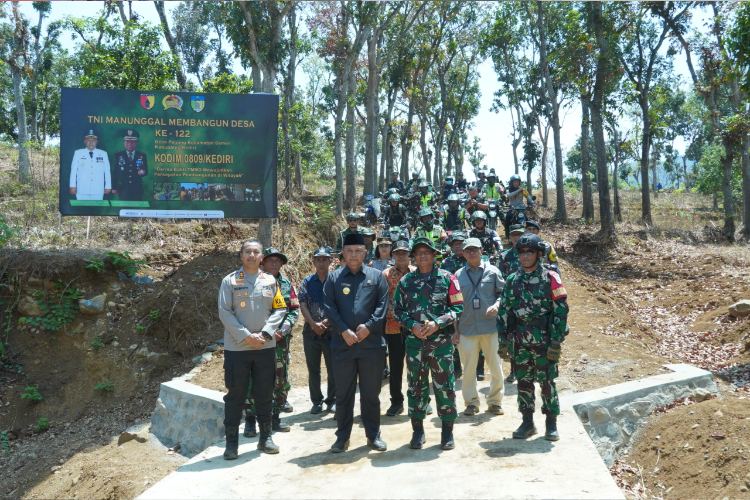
<point>198,103</point>
<point>172,101</point>
<point>147,101</point>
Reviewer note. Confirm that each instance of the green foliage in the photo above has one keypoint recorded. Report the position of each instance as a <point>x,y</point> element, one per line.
<point>96,265</point>
<point>105,385</point>
<point>738,42</point>
<point>58,309</point>
<point>128,57</point>
<point>31,393</point>
<point>140,328</point>
<point>6,232</point>
<point>125,263</point>
<point>228,83</point>
<point>97,343</point>
<point>42,424</point>
<point>709,172</point>
<point>154,314</point>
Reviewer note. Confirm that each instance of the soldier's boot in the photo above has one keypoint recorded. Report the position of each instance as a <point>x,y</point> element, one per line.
<point>417,437</point>
<point>233,442</point>
<point>527,428</point>
<point>446,436</point>
<point>265,442</point>
<point>278,425</point>
<point>250,429</point>
<point>550,428</point>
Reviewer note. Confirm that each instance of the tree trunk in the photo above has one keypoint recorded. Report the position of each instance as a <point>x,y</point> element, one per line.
<point>371,125</point>
<point>588,197</point>
<point>350,201</point>
<point>423,145</point>
<point>654,160</point>
<point>561,213</point>
<point>406,137</point>
<point>597,125</point>
<point>746,188</point>
<point>726,190</point>
<point>645,149</point>
<point>181,79</point>
<point>24,166</point>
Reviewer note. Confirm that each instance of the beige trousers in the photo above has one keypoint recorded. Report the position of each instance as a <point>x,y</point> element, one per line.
<point>468,349</point>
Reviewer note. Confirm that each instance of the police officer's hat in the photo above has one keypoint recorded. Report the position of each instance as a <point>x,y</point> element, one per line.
<point>323,252</point>
<point>91,132</point>
<point>352,216</point>
<point>457,236</point>
<point>424,212</point>
<point>534,224</point>
<point>274,252</point>
<point>131,135</point>
<point>422,242</point>
<point>517,229</point>
<point>401,245</point>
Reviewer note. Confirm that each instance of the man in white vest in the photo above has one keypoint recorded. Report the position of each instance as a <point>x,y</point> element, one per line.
<point>90,177</point>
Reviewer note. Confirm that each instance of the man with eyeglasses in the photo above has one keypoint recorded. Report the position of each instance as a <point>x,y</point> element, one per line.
<point>533,318</point>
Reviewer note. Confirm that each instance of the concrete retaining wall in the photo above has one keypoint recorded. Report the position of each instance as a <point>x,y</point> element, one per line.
<point>612,415</point>
<point>189,415</point>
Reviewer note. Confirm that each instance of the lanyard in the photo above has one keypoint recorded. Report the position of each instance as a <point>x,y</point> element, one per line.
<point>475,286</point>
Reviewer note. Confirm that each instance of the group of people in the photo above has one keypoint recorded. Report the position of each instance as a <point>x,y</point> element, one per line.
<point>92,176</point>
<point>397,304</point>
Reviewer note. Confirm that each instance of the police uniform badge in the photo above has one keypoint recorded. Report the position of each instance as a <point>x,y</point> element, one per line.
<point>346,290</point>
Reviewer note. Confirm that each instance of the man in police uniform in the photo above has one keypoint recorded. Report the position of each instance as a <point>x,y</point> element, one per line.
<point>90,176</point>
<point>251,309</point>
<point>130,168</point>
<point>356,300</point>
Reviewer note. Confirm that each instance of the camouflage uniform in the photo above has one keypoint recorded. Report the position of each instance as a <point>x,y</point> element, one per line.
<point>418,299</point>
<point>489,239</point>
<point>509,263</point>
<point>453,263</point>
<point>281,381</point>
<point>532,314</point>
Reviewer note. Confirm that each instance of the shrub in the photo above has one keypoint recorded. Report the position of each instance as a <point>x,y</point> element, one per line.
<point>105,386</point>
<point>42,424</point>
<point>31,392</point>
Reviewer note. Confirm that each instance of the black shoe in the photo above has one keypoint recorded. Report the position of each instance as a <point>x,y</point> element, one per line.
<point>233,440</point>
<point>331,407</point>
<point>265,442</point>
<point>527,428</point>
<point>446,436</point>
<point>510,378</point>
<point>417,438</point>
<point>428,410</point>
<point>250,430</point>
<point>395,409</point>
<point>550,428</point>
<point>340,446</point>
<point>316,408</point>
<point>377,444</point>
<point>277,425</point>
<point>287,408</point>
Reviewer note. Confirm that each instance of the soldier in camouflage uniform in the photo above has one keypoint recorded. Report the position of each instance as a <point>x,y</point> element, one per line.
<point>550,256</point>
<point>426,303</point>
<point>491,246</point>
<point>533,317</point>
<point>455,260</point>
<point>273,259</point>
<point>509,258</point>
<point>352,220</point>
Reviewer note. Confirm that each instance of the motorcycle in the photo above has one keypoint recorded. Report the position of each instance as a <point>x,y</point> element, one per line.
<point>492,214</point>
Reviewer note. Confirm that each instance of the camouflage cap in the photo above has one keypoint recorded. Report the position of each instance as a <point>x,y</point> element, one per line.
<point>457,236</point>
<point>517,229</point>
<point>274,252</point>
<point>366,231</point>
<point>533,223</point>
<point>400,245</point>
<point>422,242</point>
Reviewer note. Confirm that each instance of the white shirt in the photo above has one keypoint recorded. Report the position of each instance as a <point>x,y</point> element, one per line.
<point>90,174</point>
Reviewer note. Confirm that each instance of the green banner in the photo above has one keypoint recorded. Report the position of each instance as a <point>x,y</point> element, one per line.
<point>168,154</point>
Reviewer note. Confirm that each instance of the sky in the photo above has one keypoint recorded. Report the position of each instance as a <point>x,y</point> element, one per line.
<point>494,130</point>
